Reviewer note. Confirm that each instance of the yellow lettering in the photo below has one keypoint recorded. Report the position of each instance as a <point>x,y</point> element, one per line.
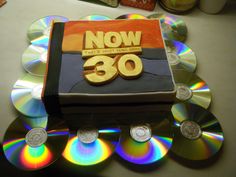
<point>94,41</point>
<point>131,38</point>
<point>132,72</point>
<point>110,51</point>
<point>102,70</point>
<point>112,39</point>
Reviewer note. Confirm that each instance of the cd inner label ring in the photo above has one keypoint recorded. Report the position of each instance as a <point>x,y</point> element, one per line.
<point>87,135</point>
<point>183,92</point>
<point>173,58</point>
<point>190,130</point>
<point>140,133</point>
<point>36,137</point>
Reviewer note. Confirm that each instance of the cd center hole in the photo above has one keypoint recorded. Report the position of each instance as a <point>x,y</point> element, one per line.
<point>190,130</point>
<point>87,135</point>
<point>183,92</point>
<point>173,58</point>
<point>36,137</point>
<point>140,132</point>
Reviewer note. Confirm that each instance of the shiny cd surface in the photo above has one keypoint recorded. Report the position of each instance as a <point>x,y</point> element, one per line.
<point>95,18</point>
<point>26,96</point>
<point>91,145</point>
<point>173,27</point>
<point>180,56</point>
<point>32,144</point>
<point>191,88</point>
<point>197,133</point>
<point>131,16</point>
<point>145,143</point>
<point>39,31</point>
<point>34,60</point>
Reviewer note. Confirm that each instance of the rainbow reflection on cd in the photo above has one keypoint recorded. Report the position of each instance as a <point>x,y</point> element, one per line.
<point>26,96</point>
<point>131,16</point>
<point>39,31</point>
<point>26,157</point>
<point>21,154</point>
<point>86,154</point>
<point>191,88</point>
<point>173,27</point>
<point>148,142</point>
<point>180,56</point>
<point>144,153</point>
<point>96,18</point>
<point>211,137</point>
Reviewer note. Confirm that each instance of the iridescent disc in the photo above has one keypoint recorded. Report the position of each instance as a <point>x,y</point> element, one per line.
<point>24,132</point>
<point>39,31</point>
<point>87,151</point>
<point>34,60</point>
<point>26,96</point>
<point>197,133</point>
<point>191,88</point>
<point>173,27</point>
<point>180,56</point>
<point>134,150</point>
<point>96,18</point>
<point>131,16</point>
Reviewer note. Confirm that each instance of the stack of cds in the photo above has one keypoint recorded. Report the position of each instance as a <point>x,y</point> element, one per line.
<point>35,140</point>
<point>197,133</point>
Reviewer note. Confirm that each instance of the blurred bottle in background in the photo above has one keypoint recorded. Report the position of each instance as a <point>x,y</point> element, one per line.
<point>212,6</point>
<point>178,6</point>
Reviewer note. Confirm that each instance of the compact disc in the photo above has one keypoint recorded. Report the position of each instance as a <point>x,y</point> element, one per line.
<point>191,88</point>
<point>32,144</point>
<point>90,145</point>
<point>95,18</point>
<point>34,60</point>
<point>131,16</point>
<point>173,27</point>
<point>26,96</point>
<point>145,143</point>
<point>197,133</point>
<point>180,56</point>
<point>39,31</point>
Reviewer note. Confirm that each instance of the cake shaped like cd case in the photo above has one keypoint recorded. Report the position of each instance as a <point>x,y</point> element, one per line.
<point>107,66</point>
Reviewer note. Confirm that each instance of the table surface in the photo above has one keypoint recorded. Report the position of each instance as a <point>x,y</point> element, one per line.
<point>211,37</point>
